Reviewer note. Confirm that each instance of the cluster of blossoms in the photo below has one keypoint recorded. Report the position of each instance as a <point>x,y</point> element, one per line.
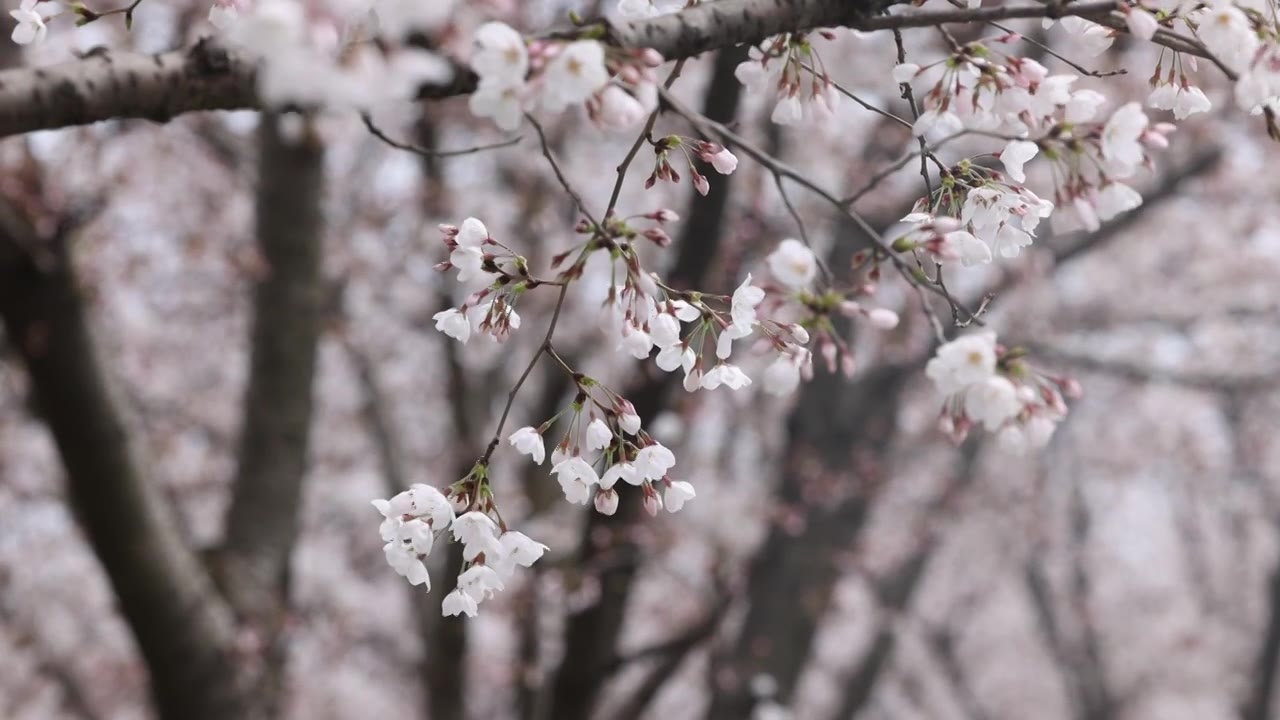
<point>978,214</point>
<point>788,66</point>
<point>719,157</point>
<point>515,77</point>
<point>413,520</point>
<point>978,88</point>
<point>317,55</point>
<point>604,427</point>
<point>987,384</point>
<point>491,309</point>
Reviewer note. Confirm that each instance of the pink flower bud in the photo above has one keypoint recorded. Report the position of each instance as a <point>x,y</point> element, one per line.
<point>651,57</point>
<point>847,366</point>
<point>658,237</point>
<point>663,215</point>
<point>849,308</point>
<point>700,182</point>
<point>883,318</point>
<point>652,502</point>
<point>607,502</point>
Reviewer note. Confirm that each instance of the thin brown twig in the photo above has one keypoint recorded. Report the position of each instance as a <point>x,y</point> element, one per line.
<point>543,347</point>
<point>804,233</point>
<point>635,147</point>
<point>711,127</point>
<point>1053,53</point>
<point>560,176</point>
<point>428,153</point>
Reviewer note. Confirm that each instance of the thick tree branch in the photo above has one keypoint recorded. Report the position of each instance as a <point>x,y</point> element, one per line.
<point>106,85</point>
<point>185,635</point>
<point>262,522</point>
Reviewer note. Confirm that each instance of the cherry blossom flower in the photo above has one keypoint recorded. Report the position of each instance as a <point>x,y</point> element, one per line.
<point>1016,154</point>
<point>1116,198</point>
<point>783,375</point>
<point>520,548</point>
<point>962,362</point>
<point>31,16</point>
<point>625,472</point>
<point>677,493</point>
<point>478,533</point>
<point>616,109</point>
<point>992,401</point>
<point>1122,138</point>
<point>500,103</point>
<point>598,435</point>
<point>528,441</point>
<point>459,602</point>
<point>1141,23</point>
<point>793,264</point>
<point>905,72</point>
<point>653,461</point>
<point>418,535</point>
<point>453,323</point>
<point>500,57</point>
<point>406,562</point>
<point>576,478</point>
<point>574,75</point>
<point>743,308</point>
<point>480,582</point>
<point>628,420</point>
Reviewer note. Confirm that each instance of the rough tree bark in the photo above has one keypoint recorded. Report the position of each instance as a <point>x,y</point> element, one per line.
<point>263,519</point>
<point>591,633</point>
<point>184,633</point>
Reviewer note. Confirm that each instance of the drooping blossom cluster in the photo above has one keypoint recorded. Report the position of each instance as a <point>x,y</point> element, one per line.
<point>789,67</point>
<point>415,519</point>
<point>719,157</point>
<point>505,276</point>
<point>603,443</point>
<point>989,385</point>
<point>516,77</point>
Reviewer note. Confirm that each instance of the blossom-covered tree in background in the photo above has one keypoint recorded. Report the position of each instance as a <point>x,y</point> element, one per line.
<point>474,284</point>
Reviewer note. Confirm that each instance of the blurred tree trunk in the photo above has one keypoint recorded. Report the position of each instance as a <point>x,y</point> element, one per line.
<point>591,632</point>
<point>263,519</point>
<point>185,634</point>
<point>832,467</point>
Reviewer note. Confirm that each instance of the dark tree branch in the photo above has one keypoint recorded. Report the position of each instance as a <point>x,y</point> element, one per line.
<point>263,519</point>
<point>184,633</point>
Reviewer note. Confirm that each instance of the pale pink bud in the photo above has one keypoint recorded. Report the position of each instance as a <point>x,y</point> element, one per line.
<point>883,318</point>
<point>847,365</point>
<point>829,355</point>
<point>849,308</point>
<point>799,333</point>
<point>607,502</point>
<point>724,161</point>
<point>700,182</point>
<point>658,236</point>
<point>652,502</point>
